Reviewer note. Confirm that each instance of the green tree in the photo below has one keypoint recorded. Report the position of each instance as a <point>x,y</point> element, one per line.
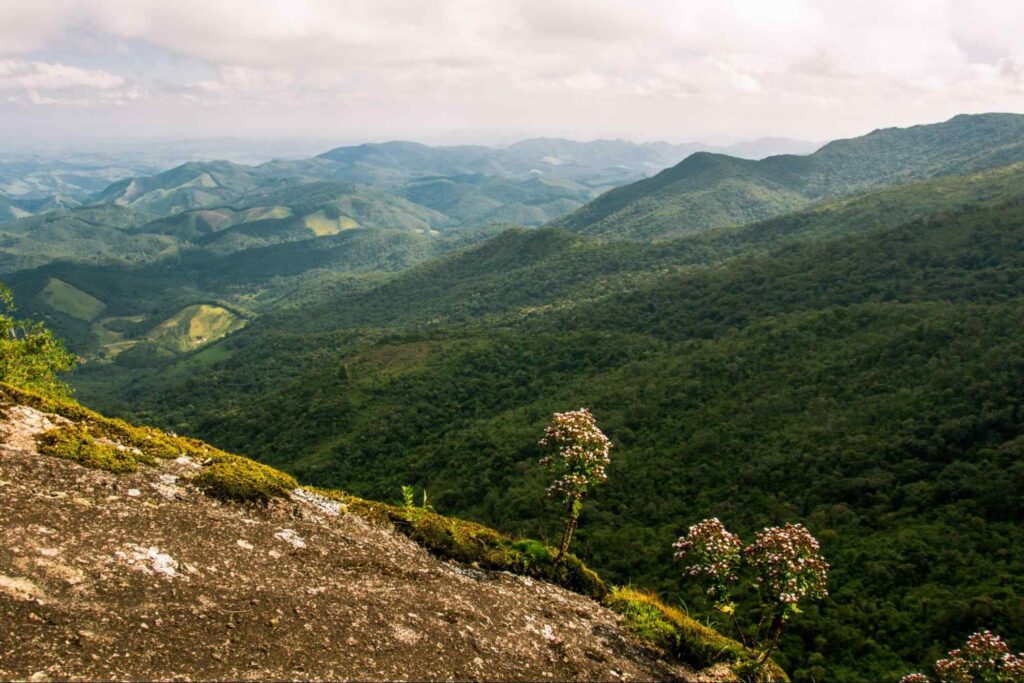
<point>30,356</point>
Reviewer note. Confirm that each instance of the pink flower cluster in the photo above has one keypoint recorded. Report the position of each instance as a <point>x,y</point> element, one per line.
<point>789,564</point>
<point>712,554</point>
<point>577,453</point>
<point>985,657</point>
<point>914,678</point>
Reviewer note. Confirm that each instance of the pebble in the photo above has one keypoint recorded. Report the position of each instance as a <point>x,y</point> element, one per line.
<point>134,493</point>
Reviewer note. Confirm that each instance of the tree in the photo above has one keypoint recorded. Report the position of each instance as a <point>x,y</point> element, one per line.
<point>30,356</point>
<point>577,456</point>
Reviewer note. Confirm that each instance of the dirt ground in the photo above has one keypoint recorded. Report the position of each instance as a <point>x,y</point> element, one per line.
<point>142,577</point>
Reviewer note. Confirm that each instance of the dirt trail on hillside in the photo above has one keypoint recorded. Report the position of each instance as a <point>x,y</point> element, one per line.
<point>141,576</point>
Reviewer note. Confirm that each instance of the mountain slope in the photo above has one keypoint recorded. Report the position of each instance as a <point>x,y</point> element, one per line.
<point>709,190</point>
<point>868,386</point>
<point>308,584</point>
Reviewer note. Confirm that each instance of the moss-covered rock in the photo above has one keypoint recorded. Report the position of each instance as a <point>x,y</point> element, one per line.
<point>475,544</point>
<point>686,639</point>
<point>74,442</point>
<point>232,477</point>
<point>151,443</point>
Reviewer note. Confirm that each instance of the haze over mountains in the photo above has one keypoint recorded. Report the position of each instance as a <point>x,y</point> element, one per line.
<point>832,338</point>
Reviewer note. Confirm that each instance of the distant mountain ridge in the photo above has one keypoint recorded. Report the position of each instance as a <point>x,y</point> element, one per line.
<point>708,190</point>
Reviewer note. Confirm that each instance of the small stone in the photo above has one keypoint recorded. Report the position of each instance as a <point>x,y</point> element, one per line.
<point>48,552</point>
<point>243,544</point>
<point>478,662</point>
<point>134,493</point>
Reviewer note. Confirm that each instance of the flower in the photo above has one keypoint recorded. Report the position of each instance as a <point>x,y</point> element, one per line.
<point>711,554</point>
<point>985,657</point>
<point>578,453</point>
<point>789,564</point>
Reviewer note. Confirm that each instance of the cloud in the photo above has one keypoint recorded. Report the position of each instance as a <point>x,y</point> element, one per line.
<point>29,75</point>
<point>813,68</point>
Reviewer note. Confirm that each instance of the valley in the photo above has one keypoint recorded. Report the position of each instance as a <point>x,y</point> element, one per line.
<point>831,338</point>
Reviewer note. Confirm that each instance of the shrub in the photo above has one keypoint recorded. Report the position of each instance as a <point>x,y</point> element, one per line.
<point>232,477</point>
<point>75,443</point>
<point>783,563</point>
<point>985,658</point>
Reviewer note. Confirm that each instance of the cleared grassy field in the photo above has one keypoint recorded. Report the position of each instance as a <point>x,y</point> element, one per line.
<point>69,299</point>
<point>194,326</point>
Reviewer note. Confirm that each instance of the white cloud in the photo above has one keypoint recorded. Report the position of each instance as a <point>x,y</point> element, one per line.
<point>31,75</point>
<point>652,68</point>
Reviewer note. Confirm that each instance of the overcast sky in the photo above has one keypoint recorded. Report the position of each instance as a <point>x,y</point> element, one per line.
<point>496,70</point>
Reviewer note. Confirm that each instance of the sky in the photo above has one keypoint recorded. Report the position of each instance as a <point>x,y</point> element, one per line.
<point>492,71</point>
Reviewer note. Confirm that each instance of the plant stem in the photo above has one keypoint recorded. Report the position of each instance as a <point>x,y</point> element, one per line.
<point>736,625</point>
<point>776,629</point>
<point>570,524</point>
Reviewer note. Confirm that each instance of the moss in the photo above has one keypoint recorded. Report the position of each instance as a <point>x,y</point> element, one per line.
<point>686,639</point>
<point>232,477</point>
<point>475,544</point>
<point>229,476</point>
<point>152,443</point>
<point>76,443</point>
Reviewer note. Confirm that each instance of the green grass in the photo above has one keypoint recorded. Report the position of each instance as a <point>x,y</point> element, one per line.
<point>69,299</point>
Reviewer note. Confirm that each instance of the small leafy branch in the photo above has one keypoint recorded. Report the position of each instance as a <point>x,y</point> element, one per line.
<point>986,658</point>
<point>577,454</point>
<point>783,564</point>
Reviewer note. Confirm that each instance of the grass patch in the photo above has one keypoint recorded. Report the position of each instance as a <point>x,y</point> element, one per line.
<point>232,477</point>
<point>685,639</point>
<point>70,300</point>
<point>475,544</point>
<point>75,443</point>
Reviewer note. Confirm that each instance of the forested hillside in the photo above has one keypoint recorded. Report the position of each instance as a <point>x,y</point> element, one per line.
<point>713,190</point>
<point>856,366</point>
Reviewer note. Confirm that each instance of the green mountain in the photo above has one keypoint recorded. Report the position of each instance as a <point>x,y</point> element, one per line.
<point>189,186</point>
<point>481,199</point>
<point>854,366</point>
<point>712,190</point>
<point>596,163</point>
<point>251,279</point>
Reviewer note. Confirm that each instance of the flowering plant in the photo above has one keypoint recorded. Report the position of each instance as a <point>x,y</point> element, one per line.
<point>784,563</point>
<point>713,556</point>
<point>986,658</point>
<point>577,454</point>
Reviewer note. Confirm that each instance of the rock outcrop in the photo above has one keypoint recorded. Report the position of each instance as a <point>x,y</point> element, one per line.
<point>142,576</point>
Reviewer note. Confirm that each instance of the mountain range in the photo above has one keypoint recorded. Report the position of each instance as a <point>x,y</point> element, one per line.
<point>831,338</point>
